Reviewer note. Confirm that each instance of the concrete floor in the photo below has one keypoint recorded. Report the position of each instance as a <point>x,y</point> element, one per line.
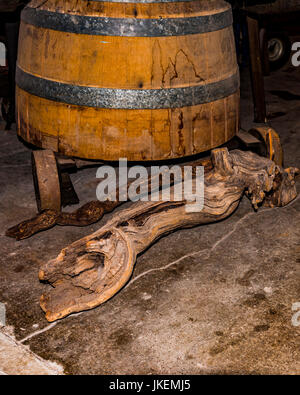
<point>214,299</point>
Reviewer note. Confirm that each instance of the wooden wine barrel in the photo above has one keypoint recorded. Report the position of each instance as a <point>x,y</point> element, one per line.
<point>146,80</point>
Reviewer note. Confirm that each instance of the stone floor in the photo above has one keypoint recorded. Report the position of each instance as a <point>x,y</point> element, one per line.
<point>214,299</point>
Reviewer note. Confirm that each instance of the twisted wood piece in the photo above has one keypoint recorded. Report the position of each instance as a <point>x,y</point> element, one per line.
<point>86,215</point>
<point>94,268</point>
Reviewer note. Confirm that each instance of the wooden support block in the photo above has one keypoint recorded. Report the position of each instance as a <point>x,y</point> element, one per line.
<point>247,139</point>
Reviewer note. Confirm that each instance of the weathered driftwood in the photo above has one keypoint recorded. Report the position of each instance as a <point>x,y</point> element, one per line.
<point>93,269</point>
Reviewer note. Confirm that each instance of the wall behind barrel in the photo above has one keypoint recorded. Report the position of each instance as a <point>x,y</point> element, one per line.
<point>11,5</point>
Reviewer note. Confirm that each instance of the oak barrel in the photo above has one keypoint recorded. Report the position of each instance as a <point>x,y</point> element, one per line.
<point>144,79</point>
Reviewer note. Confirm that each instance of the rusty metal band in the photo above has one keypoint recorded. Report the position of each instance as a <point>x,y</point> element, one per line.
<point>127,27</point>
<point>126,98</point>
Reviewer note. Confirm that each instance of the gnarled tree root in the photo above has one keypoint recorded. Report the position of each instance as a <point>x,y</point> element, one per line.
<point>93,269</point>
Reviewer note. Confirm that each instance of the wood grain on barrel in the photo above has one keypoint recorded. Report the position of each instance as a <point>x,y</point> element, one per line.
<point>131,63</point>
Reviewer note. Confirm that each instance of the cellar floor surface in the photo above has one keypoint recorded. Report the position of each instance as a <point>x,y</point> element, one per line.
<point>189,312</point>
